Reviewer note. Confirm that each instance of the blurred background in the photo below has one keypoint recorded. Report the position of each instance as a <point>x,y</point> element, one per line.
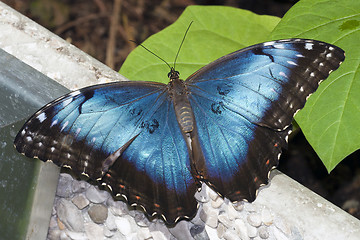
<point>103,28</point>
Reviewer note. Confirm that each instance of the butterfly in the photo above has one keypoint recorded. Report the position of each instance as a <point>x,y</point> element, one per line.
<point>154,144</point>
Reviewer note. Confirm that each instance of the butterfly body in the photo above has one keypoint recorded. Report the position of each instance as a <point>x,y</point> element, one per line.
<point>154,144</point>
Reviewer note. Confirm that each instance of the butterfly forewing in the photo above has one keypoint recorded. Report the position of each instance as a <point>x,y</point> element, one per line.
<point>122,134</point>
<point>244,103</point>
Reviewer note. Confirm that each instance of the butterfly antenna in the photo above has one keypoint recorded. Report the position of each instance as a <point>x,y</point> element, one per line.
<point>151,52</point>
<point>177,54</point>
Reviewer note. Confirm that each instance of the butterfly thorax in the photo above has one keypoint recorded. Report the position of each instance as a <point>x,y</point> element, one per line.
<point>179,94</point>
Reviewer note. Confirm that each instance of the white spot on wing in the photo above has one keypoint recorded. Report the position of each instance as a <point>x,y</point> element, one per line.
<point>41,117</point>
<point>67,102</point>
<point>52,149</point>
<point>269,43</point>
<point>77,92</point>
<point>309,46</point>
<point>292,63</point>
<point>64,126</point>
<point>300,55</point>
<point>279,46</point>
<point>54,122</point>
<point>282,74</point>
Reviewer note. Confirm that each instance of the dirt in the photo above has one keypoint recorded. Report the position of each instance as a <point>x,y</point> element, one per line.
<point>89,25</point>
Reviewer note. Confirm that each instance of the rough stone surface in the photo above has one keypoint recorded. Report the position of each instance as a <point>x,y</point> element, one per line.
<point>90,213</point>
<point>96,196</point>
<point>123,225</point>
<point>94,231</point>
<point>64,189</point>
<point>70,215</point>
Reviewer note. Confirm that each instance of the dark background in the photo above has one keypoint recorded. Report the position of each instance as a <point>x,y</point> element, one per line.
<point>103,28</point>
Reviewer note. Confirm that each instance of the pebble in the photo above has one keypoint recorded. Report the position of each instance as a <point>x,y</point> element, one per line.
<point>64,189</point>
<point>198,232</point>
<point>212,194</point>
<point>94,231</point>
<point>232,212</point>
<point>180,230</point>
<point>252,231</point>
<point>224,219</point>
<point>241,229</point>
<point>79,186</point>
<point>108,233</point>
<point>70,215</point>
<point>239,206</point>
<point>141,220</point>
<point>221,229</point>
<point>212,233</point>
<point>202,196</point>
<point>231,235</point>
<point>217,203</point>
<point>250,207</point>
<point>254,219</point>
<point>80,201</point>
<point>209,216</point>
<point>110,222</point>
<point>123,225</point>
<point>263,232</point>
<point>266,217</point>
<point>96,196</point>
<point>98,213</point>
<point>144,233</point>
<point>118,208</point>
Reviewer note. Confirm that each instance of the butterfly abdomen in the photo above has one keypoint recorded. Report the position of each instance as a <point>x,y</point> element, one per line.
<point>183,110</point>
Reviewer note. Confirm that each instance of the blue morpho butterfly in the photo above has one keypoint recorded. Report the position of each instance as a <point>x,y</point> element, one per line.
<point>154,144</point>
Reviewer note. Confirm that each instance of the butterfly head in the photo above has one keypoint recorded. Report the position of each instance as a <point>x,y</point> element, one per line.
<point>173,74</point>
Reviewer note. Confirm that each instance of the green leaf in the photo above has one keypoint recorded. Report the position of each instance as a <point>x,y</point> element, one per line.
<point>331,118</point>
<point>215,32</point>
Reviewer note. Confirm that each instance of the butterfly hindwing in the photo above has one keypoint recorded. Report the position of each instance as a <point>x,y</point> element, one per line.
<point>123,135</point>
<point>244,103</point>
<point>160,150</point>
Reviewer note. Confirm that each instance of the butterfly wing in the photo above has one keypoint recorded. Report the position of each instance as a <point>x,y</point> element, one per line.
<point>124,135</point>
<point>244,103</point>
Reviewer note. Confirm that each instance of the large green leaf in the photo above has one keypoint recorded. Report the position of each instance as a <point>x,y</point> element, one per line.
<point>331,118</point>
<point>216,31</point>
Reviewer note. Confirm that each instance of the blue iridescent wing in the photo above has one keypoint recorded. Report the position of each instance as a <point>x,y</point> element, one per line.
<point>243,105</point>
<point>125,135</point>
